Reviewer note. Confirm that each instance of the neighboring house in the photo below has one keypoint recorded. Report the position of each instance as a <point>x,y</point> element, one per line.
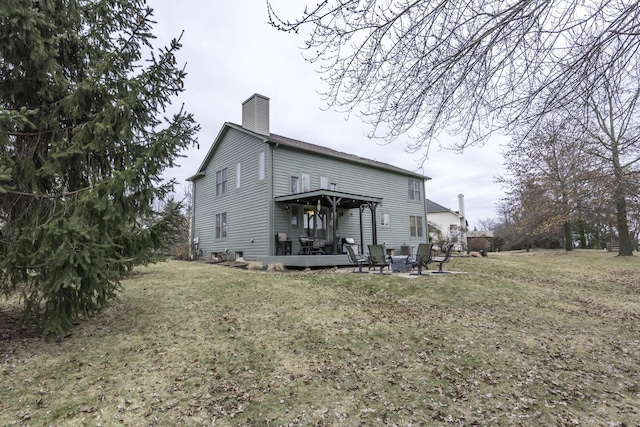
<point>447,226</point>
<point>253,185</point>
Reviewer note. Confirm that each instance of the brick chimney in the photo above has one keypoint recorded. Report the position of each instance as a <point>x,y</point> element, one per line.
<point>255,114</point>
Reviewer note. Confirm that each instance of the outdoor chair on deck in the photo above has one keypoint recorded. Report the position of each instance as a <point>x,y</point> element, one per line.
<point>422,257</point>
<point>356,259</point>
<point>378,258</point>
<point>283,244</point>
<point>442,259</point>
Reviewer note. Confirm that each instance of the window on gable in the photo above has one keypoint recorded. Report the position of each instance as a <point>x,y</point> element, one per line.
<point>306,182</point>
<point>414,189</point>
<point>415,226</point>
<point>294,185</point>
<point>261,164</point>
<point>221,182</point>
<point>221,225</point>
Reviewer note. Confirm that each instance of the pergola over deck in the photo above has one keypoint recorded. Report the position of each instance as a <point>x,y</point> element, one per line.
<point>334,200</point>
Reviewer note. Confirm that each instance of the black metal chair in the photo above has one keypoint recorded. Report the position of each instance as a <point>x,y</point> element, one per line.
<point>422,257</point>
<point>356,260</point>
<point>442,259</point>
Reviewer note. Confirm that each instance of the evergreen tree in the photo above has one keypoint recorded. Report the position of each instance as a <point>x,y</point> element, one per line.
<point>83,144</point>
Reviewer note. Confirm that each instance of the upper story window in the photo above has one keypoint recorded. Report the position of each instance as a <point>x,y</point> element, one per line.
<point>294,185</point>
<point>221,182</point>
<point>324,182</point>
<point>414,189</point>
<point>238,175</point>
<point>333,186</point>
<point>306,182</point>
<point>262,159</point>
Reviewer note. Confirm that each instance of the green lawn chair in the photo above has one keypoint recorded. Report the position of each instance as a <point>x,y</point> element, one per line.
<point>378,258</point>
<point>422,257</point>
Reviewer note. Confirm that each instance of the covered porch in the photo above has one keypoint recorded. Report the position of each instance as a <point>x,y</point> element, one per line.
<point>317,236</point>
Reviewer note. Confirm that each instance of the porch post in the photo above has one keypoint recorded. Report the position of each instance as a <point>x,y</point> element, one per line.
<point>374,225</point>
<point>361,231</point>
<point>334,201</point>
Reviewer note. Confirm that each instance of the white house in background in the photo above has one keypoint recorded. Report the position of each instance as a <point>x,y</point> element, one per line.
<point>447,226</point>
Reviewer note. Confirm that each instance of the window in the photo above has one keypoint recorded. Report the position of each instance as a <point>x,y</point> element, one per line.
<point>333,186</point>
<point>294,185</point>
<point>221,225</point>
<point>221,182</point>
<point>324,182</point>
<point>385,219</point>
<point>415,225</point>
<point>261,165</point>
<point>306,182</point>
<point>414,189</point>
<point>238,174</point>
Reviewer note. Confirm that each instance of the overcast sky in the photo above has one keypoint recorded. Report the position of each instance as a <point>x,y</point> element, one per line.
<point>231,53</point>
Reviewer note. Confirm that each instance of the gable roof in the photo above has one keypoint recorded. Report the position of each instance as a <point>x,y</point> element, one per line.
<point>301,146</point>
<point>434,207</point>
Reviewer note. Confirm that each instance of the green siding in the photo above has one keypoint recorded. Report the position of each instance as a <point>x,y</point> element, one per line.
<point>247,207</point>
<point>351,178</point>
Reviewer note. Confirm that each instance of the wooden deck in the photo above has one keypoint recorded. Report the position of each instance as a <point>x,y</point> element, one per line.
<point>302,261</point>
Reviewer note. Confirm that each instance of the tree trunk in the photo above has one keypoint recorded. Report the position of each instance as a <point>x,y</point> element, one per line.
<point>626,246</point>
<point>568,237</point>
<point>583,237</point>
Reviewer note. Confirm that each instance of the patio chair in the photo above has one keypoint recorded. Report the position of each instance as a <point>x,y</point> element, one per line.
<point>378,258</point>
<point>356,259</point>
<point>442,259</point>
<point>422,257</point>
<point>283,244</point>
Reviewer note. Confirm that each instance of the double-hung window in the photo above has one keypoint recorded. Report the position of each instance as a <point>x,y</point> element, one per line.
<point>221,182</point>
<point>306,182</point>
<point>221,225</point>
<point>324,182</point>
<point>415,226</point>
<point>294,185</point>
<point>414,189</point>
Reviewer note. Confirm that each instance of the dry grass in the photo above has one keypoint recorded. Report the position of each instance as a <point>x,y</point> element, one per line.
<point>255,265</point>
<point>522,339</point>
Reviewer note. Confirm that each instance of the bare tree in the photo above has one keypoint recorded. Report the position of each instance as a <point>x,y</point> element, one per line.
<point>608,114</point>
<point>553,162</point>
<point>466,66</point>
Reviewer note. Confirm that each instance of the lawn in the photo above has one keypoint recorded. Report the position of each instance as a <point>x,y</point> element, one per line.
<point>541,338</point>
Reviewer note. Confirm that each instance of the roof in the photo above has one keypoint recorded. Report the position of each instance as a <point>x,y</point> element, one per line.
<point>434,207</point>
<point>277,140</point>
<point>328,152</point>
<point>345,200</point>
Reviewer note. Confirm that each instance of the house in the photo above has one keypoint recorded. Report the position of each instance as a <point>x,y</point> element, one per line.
<point>255,187</point>
<point>447,226</point>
